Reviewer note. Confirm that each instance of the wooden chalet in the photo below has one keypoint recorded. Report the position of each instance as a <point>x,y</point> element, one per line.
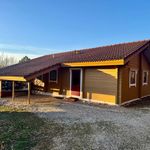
<point>113,74</point>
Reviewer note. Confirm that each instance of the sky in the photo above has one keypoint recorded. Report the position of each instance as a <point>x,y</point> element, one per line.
<point>40,27</point>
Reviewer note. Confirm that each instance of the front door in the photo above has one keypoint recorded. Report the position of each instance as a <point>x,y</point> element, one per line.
<point>75,82</point>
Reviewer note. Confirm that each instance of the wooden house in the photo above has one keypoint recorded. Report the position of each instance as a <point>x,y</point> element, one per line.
<point>112,74</point>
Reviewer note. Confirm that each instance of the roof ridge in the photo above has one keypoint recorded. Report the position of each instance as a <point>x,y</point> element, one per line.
<point>138,48</point>
<point>103,46</point>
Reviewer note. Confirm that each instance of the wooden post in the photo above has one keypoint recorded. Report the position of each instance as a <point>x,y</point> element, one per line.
<point>29,90</point>
<point>13,90</point>
<point>0,89</point>
<point>140,76</point>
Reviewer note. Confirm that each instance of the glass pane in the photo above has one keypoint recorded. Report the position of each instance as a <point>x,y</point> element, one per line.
<point>145,77</point>
<point>53,75</point>
<point>133,77</point>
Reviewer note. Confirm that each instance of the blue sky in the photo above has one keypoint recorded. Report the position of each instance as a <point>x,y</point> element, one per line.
<point>38,27</point>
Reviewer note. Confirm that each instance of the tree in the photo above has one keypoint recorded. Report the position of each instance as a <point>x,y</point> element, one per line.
<point>24,59</point>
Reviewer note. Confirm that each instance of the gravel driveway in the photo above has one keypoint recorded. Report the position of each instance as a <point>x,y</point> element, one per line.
<point>82,126</point>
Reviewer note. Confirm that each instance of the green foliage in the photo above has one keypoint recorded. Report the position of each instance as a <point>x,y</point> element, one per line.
<point>24,59</point>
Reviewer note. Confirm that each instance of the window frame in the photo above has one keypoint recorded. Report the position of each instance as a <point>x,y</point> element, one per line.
<point>56,81</point>
<point>131,84</point>
<point>147,74</point>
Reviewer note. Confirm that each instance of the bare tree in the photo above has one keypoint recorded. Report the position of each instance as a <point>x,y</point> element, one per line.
<point>6,60</point>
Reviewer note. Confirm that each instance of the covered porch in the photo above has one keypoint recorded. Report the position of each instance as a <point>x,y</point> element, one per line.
<point>12,91</point>
<point>32,82</point>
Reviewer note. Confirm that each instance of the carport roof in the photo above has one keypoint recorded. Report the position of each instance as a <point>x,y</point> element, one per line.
<point>113,53</point>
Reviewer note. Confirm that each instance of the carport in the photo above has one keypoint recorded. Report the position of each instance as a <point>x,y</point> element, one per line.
<point>27,72</point>
<point>13,79</point>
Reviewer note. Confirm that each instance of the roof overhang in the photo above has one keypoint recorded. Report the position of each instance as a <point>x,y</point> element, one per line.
<point>41,72</point>
<point>141,49</point>
<point>31,76</point>
<point>96,63</point>
<point>12,78</point>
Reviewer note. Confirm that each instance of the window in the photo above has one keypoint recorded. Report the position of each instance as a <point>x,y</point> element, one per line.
<point>132,78</point>
<point>145,77</point>
<point>53,76</point>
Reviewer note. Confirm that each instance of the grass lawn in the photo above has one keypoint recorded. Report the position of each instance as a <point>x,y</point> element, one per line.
<point>18,129</point>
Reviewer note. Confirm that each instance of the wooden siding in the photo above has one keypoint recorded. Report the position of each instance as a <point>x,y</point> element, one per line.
<point>126,93</point>
<point>106,84</point>
<point>61,87</point>
<point>119,89</point>
<point>100,84</point>
<point>65,82</point>
<point>145,89</point>
<point>129,93</point>
<point>55,87</point>
<point>95,63</point>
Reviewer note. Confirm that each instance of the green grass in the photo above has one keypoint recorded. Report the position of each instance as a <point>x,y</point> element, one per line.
<point>18,129</point>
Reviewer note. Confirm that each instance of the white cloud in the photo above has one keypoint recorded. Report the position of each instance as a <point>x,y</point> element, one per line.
<point>24,49</point>
<point>19,51</point>
<point>18,56</point>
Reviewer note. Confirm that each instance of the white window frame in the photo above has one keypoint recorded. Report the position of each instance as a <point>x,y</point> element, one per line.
<point>130,84</point>
<point>56,76</point>
<point>147,73</point>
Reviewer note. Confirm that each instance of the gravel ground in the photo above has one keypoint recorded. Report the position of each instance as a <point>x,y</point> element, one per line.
<point>82,126</point>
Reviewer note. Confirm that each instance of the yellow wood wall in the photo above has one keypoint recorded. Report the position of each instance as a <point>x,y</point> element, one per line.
<point>100,84</point>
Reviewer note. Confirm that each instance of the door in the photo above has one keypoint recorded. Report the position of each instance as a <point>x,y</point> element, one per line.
<point>75,82</point>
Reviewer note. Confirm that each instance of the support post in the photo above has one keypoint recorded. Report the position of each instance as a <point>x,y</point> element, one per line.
<point>0,89</point>
<point>29,92</point>
<point>13,90</point>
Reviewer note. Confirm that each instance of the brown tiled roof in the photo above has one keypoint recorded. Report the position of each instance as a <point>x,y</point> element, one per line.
<point>111,52</point>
